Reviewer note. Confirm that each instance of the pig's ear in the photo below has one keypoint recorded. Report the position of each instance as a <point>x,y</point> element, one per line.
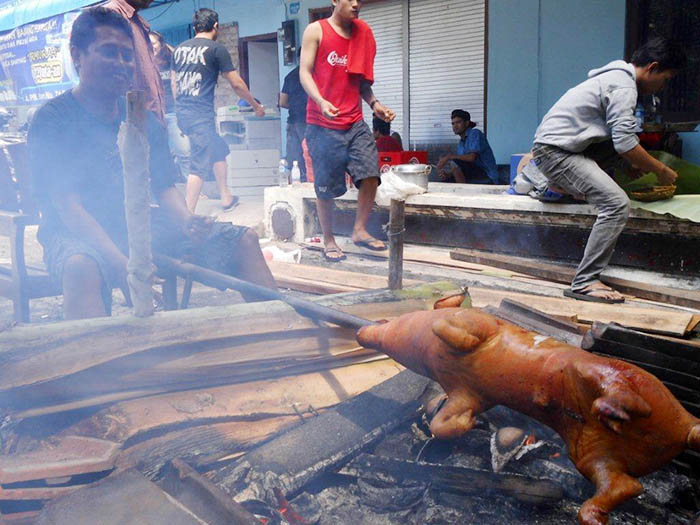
<point>451,301</point>
<point>465,330</point>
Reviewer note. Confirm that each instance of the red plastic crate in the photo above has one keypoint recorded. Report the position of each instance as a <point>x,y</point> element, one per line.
<point>393,158</point>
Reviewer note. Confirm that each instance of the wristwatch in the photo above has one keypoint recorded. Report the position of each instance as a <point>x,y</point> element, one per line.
<point>373,103</point>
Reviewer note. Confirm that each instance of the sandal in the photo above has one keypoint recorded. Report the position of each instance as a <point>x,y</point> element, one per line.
<point>585,295</point>
<point>327,255</point>
<point>371,244</point>
<point>234,202</point>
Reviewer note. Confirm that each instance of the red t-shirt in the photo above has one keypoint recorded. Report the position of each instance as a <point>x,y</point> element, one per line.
<point>340,88</point>
<point>388,143</point>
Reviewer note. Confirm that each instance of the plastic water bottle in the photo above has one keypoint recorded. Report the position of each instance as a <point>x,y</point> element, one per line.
<point>282,173</point>
<point>639,117</point>
<point>296,172</point>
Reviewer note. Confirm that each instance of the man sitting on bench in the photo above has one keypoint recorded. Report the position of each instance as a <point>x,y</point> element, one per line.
<point>78,181</point>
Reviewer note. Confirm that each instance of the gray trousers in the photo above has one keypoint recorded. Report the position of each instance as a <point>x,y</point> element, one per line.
<point>581,175</point>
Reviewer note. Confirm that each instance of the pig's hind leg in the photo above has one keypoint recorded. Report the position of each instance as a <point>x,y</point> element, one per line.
<point>614,402</point>
<point>613,487</point>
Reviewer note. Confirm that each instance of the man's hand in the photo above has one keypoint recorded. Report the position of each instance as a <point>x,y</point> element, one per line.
<point>120,273</point>
<point>329,110</point>
<point>259,110</point>
<point>443,160</point>
<point>384,112</point>
<point>197,227</point>
<point>667,177</point>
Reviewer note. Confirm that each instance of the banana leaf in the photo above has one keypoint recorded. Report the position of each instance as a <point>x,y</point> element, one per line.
<point>688,182</point>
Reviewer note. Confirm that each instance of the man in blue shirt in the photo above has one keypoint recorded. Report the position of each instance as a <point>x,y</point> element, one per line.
<point>474,162</point>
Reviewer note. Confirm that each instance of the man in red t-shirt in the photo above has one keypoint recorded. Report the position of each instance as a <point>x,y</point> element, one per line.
<point>339,141</point>
<point>381,130</point>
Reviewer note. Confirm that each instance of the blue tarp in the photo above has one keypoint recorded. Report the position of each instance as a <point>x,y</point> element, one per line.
<point>33,10</point>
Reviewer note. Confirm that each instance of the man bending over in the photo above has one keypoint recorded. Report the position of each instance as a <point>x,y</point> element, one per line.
<point>580,132</point>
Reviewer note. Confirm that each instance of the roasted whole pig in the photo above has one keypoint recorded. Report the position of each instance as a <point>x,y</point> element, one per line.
<point>618,421</point>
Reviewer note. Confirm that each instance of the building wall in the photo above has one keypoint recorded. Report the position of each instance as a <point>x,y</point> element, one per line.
<point>254,17</point>
<point>537,50</point>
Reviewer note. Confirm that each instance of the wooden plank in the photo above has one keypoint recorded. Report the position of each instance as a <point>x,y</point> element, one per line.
<point>202,444</point>
<point>201,496</point>
<point>308,355</point>
<point>564,274</point>
<point>32,354</point>
<point>287,396</point>
<point>211,363</point>
<point>661,345</point>
<point>652,320</point>
<point>301,284</point>
<point>321,274</point>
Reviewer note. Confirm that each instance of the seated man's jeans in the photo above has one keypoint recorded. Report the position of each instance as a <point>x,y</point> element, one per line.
<point>580,176</point>
<point>472,173</point>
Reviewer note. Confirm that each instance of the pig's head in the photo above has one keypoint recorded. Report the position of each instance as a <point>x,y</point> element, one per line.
<point>431,343</point>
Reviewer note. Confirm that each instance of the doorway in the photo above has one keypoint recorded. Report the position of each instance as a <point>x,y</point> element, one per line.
<point>258,64</point>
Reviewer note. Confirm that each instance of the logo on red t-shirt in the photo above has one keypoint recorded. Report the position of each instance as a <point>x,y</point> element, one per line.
<point>335,60</point>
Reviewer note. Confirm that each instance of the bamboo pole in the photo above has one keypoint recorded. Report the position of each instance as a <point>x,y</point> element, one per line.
<point>134,150</point>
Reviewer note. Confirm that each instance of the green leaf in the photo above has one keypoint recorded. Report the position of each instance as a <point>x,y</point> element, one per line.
<point>688,182</point>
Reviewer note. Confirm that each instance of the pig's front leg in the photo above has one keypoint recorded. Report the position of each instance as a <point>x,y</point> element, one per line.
<point>457,416</point>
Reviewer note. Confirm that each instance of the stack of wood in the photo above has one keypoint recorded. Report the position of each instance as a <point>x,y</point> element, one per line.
<point>78,399</point>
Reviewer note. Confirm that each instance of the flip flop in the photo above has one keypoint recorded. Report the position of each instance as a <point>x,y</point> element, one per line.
<point>592,298</point>
<point>234,201</point>
<point>326,255</point>
<point>366,243</point>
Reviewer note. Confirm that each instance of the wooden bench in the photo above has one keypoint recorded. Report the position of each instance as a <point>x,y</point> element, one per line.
<point>18,209</point>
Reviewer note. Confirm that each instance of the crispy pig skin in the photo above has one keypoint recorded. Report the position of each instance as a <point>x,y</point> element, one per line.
<point>618,421</point>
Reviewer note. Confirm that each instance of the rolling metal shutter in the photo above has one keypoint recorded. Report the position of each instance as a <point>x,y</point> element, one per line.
<point>446,66</point>
<point>387,22</point>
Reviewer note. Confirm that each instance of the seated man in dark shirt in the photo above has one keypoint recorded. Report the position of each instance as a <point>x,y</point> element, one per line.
<point>382,136</point>
<point>79,183</point>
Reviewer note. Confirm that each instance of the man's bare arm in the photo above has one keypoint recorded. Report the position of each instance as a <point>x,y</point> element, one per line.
<point>284,101</point>
<point>173,83</point>
<point>469,157</point>
<point>379,109</point>
<point>173,204</point>
<point>241,89</point>
<point>309,48</point>
<point>640,159</point>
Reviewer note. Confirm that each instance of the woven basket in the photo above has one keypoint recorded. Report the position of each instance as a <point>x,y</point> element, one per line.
<point>658,193</point>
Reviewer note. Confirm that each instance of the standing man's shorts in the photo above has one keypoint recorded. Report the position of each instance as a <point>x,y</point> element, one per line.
<point>334,152</point>
<point>206,146</point>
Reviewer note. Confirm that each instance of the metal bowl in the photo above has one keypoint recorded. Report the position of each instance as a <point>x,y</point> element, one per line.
<point>414,173</point>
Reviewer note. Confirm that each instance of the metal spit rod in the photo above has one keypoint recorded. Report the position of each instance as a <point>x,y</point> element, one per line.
<point>219,280</point>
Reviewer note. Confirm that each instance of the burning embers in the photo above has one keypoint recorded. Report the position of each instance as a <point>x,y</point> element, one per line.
<point>453,482</point>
